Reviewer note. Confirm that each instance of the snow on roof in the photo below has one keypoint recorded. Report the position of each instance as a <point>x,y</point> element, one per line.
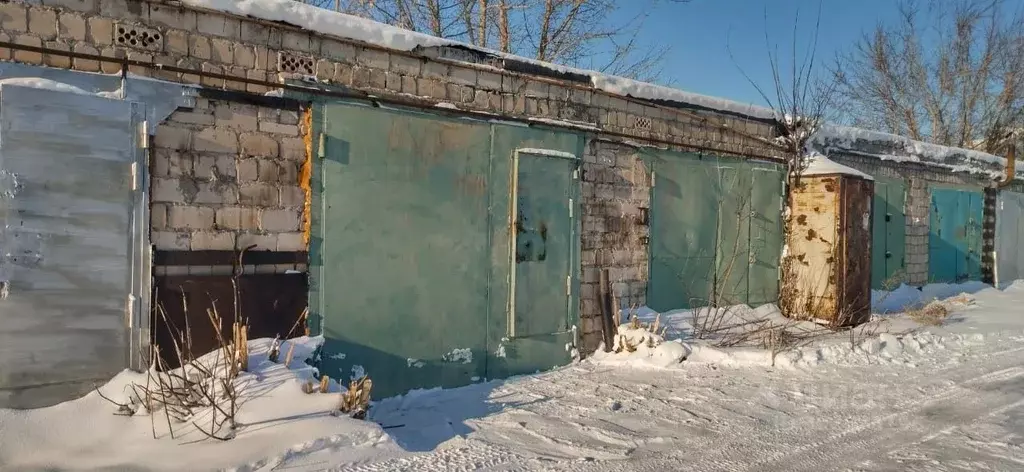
<point>818,164</point>
<point>368,31</point>
<point>896,148</point>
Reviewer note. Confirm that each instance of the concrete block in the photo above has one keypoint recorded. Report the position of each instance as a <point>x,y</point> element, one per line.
<point>101,31</point>
<point>296,41</point>
<point>293,149</point>
<point>72,26</point>
<point>237,218</point>
<point>292,196</point>
<point>166,190</point>
<point>218,25</point>
<point>222,50</point>
<point>488,81</point>
<point>171,163</point>
<point>373,59</point>
<point>263,242</point>
<point>212,241</point>
<point>190,217</point>
<point>199,47</point>
<point>247,170</point>
<point>172,17</point>
<point>406,65</point>
<point>170,240</point>
<point>292,242</point>
<point>216,193</point>
<point>57,60</point>
<point>158,216</point>
<point>268,170</point>
<point>13,17</point>
<point>258,144</point>
<point>192,118</point>
<point>337,51</point>
<point>218,140</point>
<point>258,194</point>
<point>236,116</point>
<point>83,6</point>
<point>278,128</point>
<point>37,58</point>
<point>280,220</point>
<point>256,33</point>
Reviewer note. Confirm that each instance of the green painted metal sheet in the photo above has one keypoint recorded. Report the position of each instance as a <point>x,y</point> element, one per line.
<point>546,152</point>
<point>888,233</point>
<point>404,248</point>
<point>716,231</point>
<point>766,238</point>
<point>954,239</point>
<point>684,232</point>
<point>732,259</point>
<point>411,256</point>
<point>543,244</point>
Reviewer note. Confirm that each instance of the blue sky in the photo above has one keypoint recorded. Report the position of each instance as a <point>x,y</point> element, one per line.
<point>702,31</point>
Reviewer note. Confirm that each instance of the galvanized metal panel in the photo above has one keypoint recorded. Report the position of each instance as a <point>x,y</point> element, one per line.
<point>954,239</point>
<point>67,206</point>
<point>404,253</point>
<point>1009,237</point>
<point>684,232</point>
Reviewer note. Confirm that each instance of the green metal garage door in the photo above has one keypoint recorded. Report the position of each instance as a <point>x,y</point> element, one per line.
<point>888,241</point>
<point>716,231</point>
<point>426,270</point>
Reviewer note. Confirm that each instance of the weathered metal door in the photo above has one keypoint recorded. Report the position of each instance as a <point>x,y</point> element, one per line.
<point>71,184</point>
<point>543,233</point>
<point>888,232</point>
<point>1009,237</point>
<point>732,257</point>
<point>403,245</point>
<point>766,242</point>
<point>716,232</point>
<point>954,239</point>
<point>684,232</point>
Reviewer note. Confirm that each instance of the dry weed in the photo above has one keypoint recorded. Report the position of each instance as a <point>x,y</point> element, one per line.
<point>933,314</point>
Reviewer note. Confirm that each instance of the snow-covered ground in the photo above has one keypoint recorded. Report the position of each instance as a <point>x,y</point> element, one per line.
<point>895,396</point>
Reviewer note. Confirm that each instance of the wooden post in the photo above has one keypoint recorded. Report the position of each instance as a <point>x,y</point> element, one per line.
<point>608,323</point>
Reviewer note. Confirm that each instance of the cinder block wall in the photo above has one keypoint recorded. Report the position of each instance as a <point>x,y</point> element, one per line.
<point>918,180</point>
<point>224,174</point>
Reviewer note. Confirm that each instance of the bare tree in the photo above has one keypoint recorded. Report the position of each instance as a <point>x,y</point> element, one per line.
<point>800,97</point>
<point>949,72</point>
<point>581,33</point>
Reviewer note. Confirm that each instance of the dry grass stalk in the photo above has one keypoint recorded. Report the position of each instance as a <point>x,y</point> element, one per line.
<point>933,314</point>
<point>355,401</point>
<point>288,357</point>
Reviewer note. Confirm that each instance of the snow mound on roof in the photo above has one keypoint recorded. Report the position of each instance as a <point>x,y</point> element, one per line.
<point>361,29</point>
<point>40,83</point>
<point>818,164</point>
<point>891,147</point>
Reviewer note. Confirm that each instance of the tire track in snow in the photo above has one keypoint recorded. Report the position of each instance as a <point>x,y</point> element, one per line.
<point>862,440</point>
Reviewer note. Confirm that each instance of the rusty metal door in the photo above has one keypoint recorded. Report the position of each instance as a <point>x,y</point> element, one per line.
<point>542,242</point>
<point>70,238</point>
<point>1009,237</point>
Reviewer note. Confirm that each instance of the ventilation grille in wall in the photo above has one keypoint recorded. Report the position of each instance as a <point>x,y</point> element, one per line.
<point>642,123</point>
<point>295,64</point>
<point>138,37</point>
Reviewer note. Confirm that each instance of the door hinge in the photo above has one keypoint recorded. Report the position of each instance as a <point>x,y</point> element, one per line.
<point>144,135</point>
<point>570,208</point>
<point>652,179</point>
<point>576,173</point>
<point>568,285</point>
<point>321,150</point>
<point>135,176</point>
